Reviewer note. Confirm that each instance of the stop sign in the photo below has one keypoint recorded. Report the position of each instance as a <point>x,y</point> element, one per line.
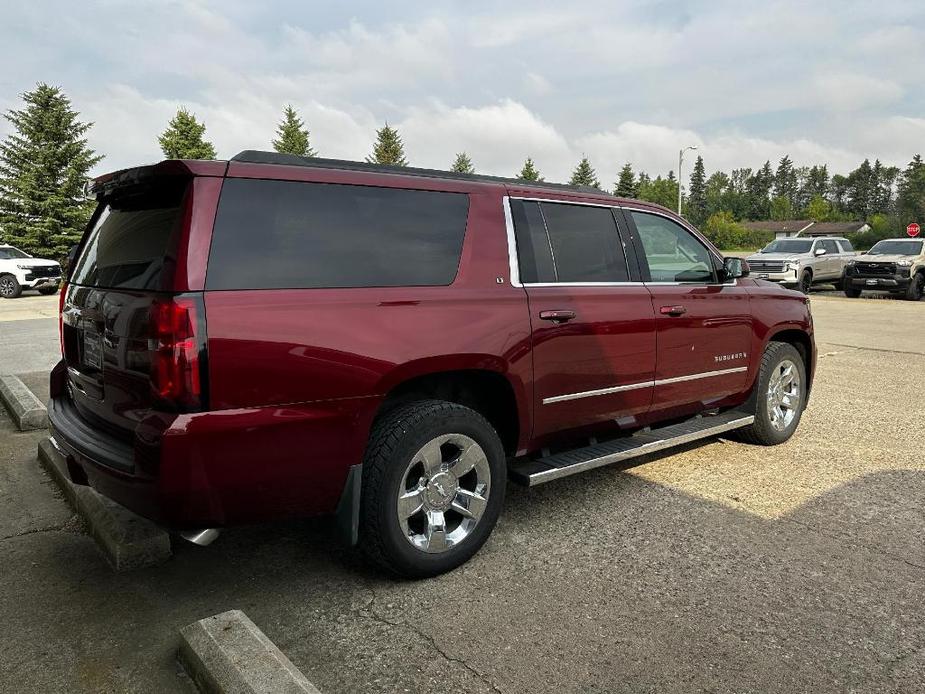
<point>913,229</point>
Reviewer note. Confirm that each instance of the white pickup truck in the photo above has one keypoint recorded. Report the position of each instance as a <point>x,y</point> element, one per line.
<point>801,262</point>
<point>19,270</point>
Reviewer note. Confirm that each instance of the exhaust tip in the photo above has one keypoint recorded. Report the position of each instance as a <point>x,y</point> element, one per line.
<point>203,537</point>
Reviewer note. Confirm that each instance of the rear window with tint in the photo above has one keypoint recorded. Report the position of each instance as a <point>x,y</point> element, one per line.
<point>133,242</point>
<point>284,234</point>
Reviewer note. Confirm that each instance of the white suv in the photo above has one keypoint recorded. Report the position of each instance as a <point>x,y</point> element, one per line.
<point>20,271</point>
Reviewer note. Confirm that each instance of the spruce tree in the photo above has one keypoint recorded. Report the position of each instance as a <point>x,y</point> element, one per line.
<point>463,164</point>
<point>292,136</point>
<point>183,138</point>
<point>584,175</point>
<point>529,172</point>
<point>910,197</point>
<point>388,148</point>
<point>697,194</point>
<point>44,164</point>
<point>785,180</point>
<point>626,184</point>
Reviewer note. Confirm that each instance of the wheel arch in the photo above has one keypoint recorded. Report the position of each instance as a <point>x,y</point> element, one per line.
<point>481,386</point>
<point>803,342</point>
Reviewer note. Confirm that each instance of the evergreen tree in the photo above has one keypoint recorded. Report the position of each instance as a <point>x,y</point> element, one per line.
<point>44,164</point>
<point>860,191</point>
<point>697,195</point>
<point>759,193</point>
<point>388,148</point>
<point>584,175</point>
<point>785,181</point>
<point>463,164</point>
<point>529,172</point>
<point>815,183</point>
<point>292,136</point>
<point>626,184</point>
<point>183,138</point>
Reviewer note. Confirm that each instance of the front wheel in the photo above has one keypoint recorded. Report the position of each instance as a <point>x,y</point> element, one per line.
<point>806,281</point>
<point>914,290</point>
<point>779,397</point>
<point>852,293</point>
<point>433,485</point>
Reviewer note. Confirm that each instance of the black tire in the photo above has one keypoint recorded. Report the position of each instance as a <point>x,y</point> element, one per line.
<point>48,291</point>
<point>396,437</point>
<point>914,290</point>
<point>9,287</point>
<point>806,282</point>
<point>852,293</point>
<point>762,432</point>
<point>839,284</point>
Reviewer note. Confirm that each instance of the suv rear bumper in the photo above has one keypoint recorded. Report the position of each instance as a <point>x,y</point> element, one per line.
<point>213,469</point>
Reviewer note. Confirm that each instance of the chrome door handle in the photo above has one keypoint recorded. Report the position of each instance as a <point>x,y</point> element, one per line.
<point>672,310</point>
<point>557,316</point>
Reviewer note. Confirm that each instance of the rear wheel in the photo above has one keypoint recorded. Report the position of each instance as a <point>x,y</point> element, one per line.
<point>806,281</point>
<point>914,290</point>
<point>9,287</point>
<point>852,293</point>
<point>779,397</point>
<point>433,486</point>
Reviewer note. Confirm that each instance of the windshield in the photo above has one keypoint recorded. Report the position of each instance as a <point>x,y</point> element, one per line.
<point>896,247</point>
<point>789,246</point>
<point>9,253</point>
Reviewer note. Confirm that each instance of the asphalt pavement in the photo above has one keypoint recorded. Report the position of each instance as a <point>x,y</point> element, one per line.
<point>722,568</point>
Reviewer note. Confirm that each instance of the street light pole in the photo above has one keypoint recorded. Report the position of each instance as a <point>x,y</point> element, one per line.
<point>681,161</point>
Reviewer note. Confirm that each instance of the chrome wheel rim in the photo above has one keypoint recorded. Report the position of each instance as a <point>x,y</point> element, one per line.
<point>784,395</point>
<point>6,287</point>
<point>443,493</point>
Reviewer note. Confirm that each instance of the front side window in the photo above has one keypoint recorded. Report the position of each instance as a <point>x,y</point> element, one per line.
<point>566,243</point>
<point>285,234</point>
<point>830,247</point>
<point>672,252</point>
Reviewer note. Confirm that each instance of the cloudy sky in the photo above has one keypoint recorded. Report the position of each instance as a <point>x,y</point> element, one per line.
<point>745,81</point>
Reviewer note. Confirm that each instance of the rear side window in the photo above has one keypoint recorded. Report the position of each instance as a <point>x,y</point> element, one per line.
<point>133,242</point>
<point>846,246</point>
<point>561,242</point>
<point>284,234</point>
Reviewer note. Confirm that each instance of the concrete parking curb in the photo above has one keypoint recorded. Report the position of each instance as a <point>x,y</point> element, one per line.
<point>228,653</point>
<point>127,540</point>
<point>26,410</point>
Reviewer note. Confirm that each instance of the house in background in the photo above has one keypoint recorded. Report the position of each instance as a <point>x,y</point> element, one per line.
<point>806,227</point>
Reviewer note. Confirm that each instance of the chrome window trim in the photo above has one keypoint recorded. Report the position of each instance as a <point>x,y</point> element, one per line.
<point>643,384</point>
<point>515,267</point>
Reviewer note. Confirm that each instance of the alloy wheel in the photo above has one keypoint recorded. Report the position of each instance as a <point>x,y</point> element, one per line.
<point>7,288</point>
<point>443,493</point>
<point>784,394</point>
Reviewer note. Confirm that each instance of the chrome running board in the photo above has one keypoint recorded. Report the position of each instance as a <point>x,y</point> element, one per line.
<point>551,467</point>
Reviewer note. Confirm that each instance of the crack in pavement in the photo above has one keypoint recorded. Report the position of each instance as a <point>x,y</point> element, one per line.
<point>369,612</point>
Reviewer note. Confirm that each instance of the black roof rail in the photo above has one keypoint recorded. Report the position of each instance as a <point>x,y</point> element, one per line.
<point>253,156</point>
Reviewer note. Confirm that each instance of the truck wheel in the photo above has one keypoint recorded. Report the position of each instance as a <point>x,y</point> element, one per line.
<point>779,396</point>
<point>852,293</point>
<point>48,291</point>
<point>9,287</point>
<point>806,281</point>
<point>914,290</point>
<point>433,485</point>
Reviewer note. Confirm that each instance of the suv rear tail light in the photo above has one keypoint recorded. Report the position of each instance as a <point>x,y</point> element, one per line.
<point>177,352</point>
<point>62,292</point>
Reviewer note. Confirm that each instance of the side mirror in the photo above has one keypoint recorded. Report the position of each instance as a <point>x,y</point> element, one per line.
<point>733,268</point>
<point>820,251</point>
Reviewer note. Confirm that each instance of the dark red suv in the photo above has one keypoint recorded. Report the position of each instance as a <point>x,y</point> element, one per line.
<point>279,336</point>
